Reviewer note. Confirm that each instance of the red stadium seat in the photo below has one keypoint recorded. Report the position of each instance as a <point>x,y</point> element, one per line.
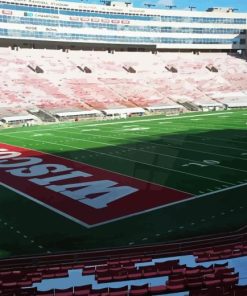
<point>122,291</point>
<point>83,290</point>
<point>138,290</point>
<point>66,292</point>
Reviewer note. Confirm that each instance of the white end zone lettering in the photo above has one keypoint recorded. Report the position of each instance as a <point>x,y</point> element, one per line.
<point>38,170</point>
<point>106,192</point>
<point>88,195</point>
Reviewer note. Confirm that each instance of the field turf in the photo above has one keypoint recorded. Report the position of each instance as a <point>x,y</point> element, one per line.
<point>204,154</point>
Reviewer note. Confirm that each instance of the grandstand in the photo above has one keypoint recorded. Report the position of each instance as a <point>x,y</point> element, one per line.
<point>62,87</point>
<point>123,167</point>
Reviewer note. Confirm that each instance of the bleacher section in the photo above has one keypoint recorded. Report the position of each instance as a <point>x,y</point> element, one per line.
<point>150,270</point>
<point>56,81</point>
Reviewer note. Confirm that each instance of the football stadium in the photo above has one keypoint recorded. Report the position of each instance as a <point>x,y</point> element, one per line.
<point>123,149</point>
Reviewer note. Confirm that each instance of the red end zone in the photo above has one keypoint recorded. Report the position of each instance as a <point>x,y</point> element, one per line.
<point>88,195</point>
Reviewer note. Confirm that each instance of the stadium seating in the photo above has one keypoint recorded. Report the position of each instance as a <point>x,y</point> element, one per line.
<point>130,271</point>
<point>218,253</point>
<point>62,86</point>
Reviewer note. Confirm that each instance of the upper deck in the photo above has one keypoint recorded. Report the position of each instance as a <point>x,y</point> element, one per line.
<point>120,25</point>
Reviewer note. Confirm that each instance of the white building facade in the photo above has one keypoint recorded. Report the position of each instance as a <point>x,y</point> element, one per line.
<point>34,22</point>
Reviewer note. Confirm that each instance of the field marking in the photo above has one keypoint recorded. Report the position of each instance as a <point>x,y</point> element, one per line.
<point>42,135</point>
<point>90,129</point>
<point>145,151</point>
<point>128,159</point>
<point>165,145</point>
<point>44,204</point>
<point>217,146</point>
<point>183,148</point>
<point>220,190</point>
<point>140,122</point>
<point>159,129</point>
<point>130,126</point>
<point>154,153</point>
<point>118,173</point>
<point>225,139</point>
<point>189,123</point>
<point>199,127</point>
<point>193,150</point>
<point>122,122</point>
<point>182,130</point>
<point>126,217</point>
<point>232,157</point>
<point>169,118</point>
<point>135,129</point>
<point>176,147</point>
<point>12,228</point>
<point>219,139</point>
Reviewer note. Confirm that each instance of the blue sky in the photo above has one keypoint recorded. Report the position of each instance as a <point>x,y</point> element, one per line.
<point>241,5</point>
<point>200,4</point>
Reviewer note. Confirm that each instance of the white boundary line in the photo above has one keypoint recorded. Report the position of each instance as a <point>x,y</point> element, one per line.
<point>166,145</point>
<point>81,223</point>
<point>124,158</point>
<point>167,118</point>
<point>80,162</point>
<point>219,139</point>
<point>182,148</point>
<point>44,204</point>
<point>125,122</point>
<point>171,204</point>
<point>145,151</point>
<point>174,138</point>
<point>124,217</point>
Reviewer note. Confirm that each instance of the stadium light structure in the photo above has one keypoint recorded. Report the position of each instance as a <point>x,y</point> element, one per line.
<point>192,7</point>
<point>106,2</point>
<point>149,5</point>
<point>171,6</point>
<point>127,3</point>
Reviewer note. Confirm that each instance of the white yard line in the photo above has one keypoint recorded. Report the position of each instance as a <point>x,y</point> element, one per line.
<point>177,147</point>
<point>121,218</point>
<point>204,144</point>
<point>200,124</point>
<point>193,150</point>
<point>107,170</point>
<point>157,119</point>
<point>123,122</point>
<point>124,158</point>
<point>220,190</point>
<point>173,128</point>
<point>150,210</point>
<point>44,204</point>
<point>12,228</point>
<point>218,139</point>
<point>141,150</point>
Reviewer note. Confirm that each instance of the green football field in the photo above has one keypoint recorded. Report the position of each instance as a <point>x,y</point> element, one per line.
<point>204,154</point>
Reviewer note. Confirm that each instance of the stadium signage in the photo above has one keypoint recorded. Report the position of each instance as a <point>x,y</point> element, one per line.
<point>41,15</point>
<point>31,28</point>
<point>88,195</point>
<point>74,18</point>
<point>84,19</point>
<point>7,12</point>
<point>51,29</point>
